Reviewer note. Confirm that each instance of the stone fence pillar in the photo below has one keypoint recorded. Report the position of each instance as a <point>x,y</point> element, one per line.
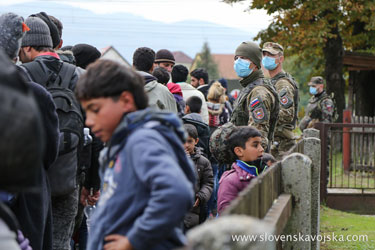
<point>296,176</point>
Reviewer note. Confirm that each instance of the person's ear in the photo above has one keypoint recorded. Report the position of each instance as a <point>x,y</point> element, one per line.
<point>201,81</point>
<point>253,66</point>
<point>127,101</point>
<point>238,151</point>
<point>196,141</point>
<point>281,59</point>
<point>187,109</point>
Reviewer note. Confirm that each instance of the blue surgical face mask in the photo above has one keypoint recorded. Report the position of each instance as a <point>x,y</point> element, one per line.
<point>313,90</point>
<point>269,63</point>
<point>242,67</point>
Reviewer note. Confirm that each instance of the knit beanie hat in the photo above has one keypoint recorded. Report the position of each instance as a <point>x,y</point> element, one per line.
<point>223,82</point>
<point>251,51</point>
<point>12,29</point>
<point>164,55</point>
<point>55,35</point>
<point>85,54</point>
<point>39,34</point>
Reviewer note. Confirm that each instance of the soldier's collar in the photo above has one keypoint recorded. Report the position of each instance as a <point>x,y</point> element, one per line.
<point>251,78</point>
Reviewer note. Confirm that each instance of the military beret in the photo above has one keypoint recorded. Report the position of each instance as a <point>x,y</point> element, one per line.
<point>273,48</point>
<point>316,80</point>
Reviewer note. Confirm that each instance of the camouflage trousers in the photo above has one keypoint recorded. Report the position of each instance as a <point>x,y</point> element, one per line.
<point>281,146</point>
<point>64,210</point>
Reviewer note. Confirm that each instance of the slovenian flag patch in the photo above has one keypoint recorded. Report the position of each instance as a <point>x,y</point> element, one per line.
<point>254,102</point>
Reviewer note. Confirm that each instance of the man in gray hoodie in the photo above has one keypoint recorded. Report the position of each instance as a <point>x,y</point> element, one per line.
<point>159,96</point>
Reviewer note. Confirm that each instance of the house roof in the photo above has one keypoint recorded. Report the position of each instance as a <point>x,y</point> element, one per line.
<point>225,65</point>
<point>358,61</point>
<point>181,57</point>
<point>111,48</point>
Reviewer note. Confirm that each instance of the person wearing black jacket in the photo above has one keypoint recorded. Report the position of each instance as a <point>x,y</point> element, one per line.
<point>33,210</point>
<point>44,65</point>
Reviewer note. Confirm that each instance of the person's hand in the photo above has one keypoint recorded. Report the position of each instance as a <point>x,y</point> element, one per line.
<point>84,194</point>
<point>117,242</point>
<point>93,198</point>
<point>197,201</point>
<point>24,243</point>
<point>87,198</point>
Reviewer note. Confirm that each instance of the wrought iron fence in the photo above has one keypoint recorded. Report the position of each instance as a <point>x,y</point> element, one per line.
<point>348,155</point>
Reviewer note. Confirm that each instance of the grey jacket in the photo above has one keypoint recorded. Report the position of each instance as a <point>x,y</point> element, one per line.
<point>159,97</point>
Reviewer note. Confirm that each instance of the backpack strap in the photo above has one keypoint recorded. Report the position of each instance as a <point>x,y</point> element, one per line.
<point>8,217</point>
<point>36,72</point>
<point>65,75</point>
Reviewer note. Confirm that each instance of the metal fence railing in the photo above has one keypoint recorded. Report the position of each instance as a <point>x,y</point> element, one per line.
<point>347,155</point>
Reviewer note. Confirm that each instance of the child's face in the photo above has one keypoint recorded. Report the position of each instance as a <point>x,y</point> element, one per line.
<point>190,144</point>
<point>103,115</point>
<point>252,151</point>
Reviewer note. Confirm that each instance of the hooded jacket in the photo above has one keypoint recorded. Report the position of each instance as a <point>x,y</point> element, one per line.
<point>148,183</point>
<point>159,97</point>
<point>232,182</point>
<point>203,186</point>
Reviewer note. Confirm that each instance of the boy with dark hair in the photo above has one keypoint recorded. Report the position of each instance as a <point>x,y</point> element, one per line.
<point>158,95</point>
<point>179,76</point>
<point>192,111</point>
<point>147,176</point>
<point>193,105</point>
<point>205,181</point>
<point>245,143</point>
<point>162,75</point>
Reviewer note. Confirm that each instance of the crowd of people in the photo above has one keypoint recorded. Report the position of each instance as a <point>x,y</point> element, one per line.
<point>159,155</point>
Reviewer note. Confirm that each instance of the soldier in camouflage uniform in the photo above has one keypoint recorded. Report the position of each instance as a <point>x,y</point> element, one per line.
<point>287,89</point>
<point>257,104</point>
<point>320,107</point>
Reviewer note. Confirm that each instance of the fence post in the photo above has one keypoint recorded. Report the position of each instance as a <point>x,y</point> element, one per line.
<point>323,159</point>
<point>311,148</point>
<point>346,141</point>
<point>311,132</point>
<point>296,173</point>
<point>232,232</point>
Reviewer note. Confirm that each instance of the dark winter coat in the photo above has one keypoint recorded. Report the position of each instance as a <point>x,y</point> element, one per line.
<point>33,210</point>
<point>203,187</point>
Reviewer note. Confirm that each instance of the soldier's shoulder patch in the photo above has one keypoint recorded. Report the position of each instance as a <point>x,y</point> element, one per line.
<point>285,101</point>
<point>258,113</point>
<point>328,106</point>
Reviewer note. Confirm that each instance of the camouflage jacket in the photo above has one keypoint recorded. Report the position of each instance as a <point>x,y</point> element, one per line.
<point>320,108</point>
<point>287,89</point>
<point>257,105</point>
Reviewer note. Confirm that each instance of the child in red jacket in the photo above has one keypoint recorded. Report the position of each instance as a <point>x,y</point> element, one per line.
<point>245,143</point>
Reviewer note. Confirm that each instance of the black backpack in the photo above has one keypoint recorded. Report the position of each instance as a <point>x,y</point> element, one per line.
<point>62,173</point>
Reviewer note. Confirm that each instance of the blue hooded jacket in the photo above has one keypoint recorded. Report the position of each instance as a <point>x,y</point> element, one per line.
<point>147,183</point>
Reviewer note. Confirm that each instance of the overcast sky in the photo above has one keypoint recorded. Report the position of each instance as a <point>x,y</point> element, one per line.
<point>170,11</point>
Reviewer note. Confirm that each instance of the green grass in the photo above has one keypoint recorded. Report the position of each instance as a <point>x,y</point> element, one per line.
<point>353,179</point>
<point>342,223</point>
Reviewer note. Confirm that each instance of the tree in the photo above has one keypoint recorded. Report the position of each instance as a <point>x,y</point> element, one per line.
<point>204,60</point>
<point>312,28</point>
